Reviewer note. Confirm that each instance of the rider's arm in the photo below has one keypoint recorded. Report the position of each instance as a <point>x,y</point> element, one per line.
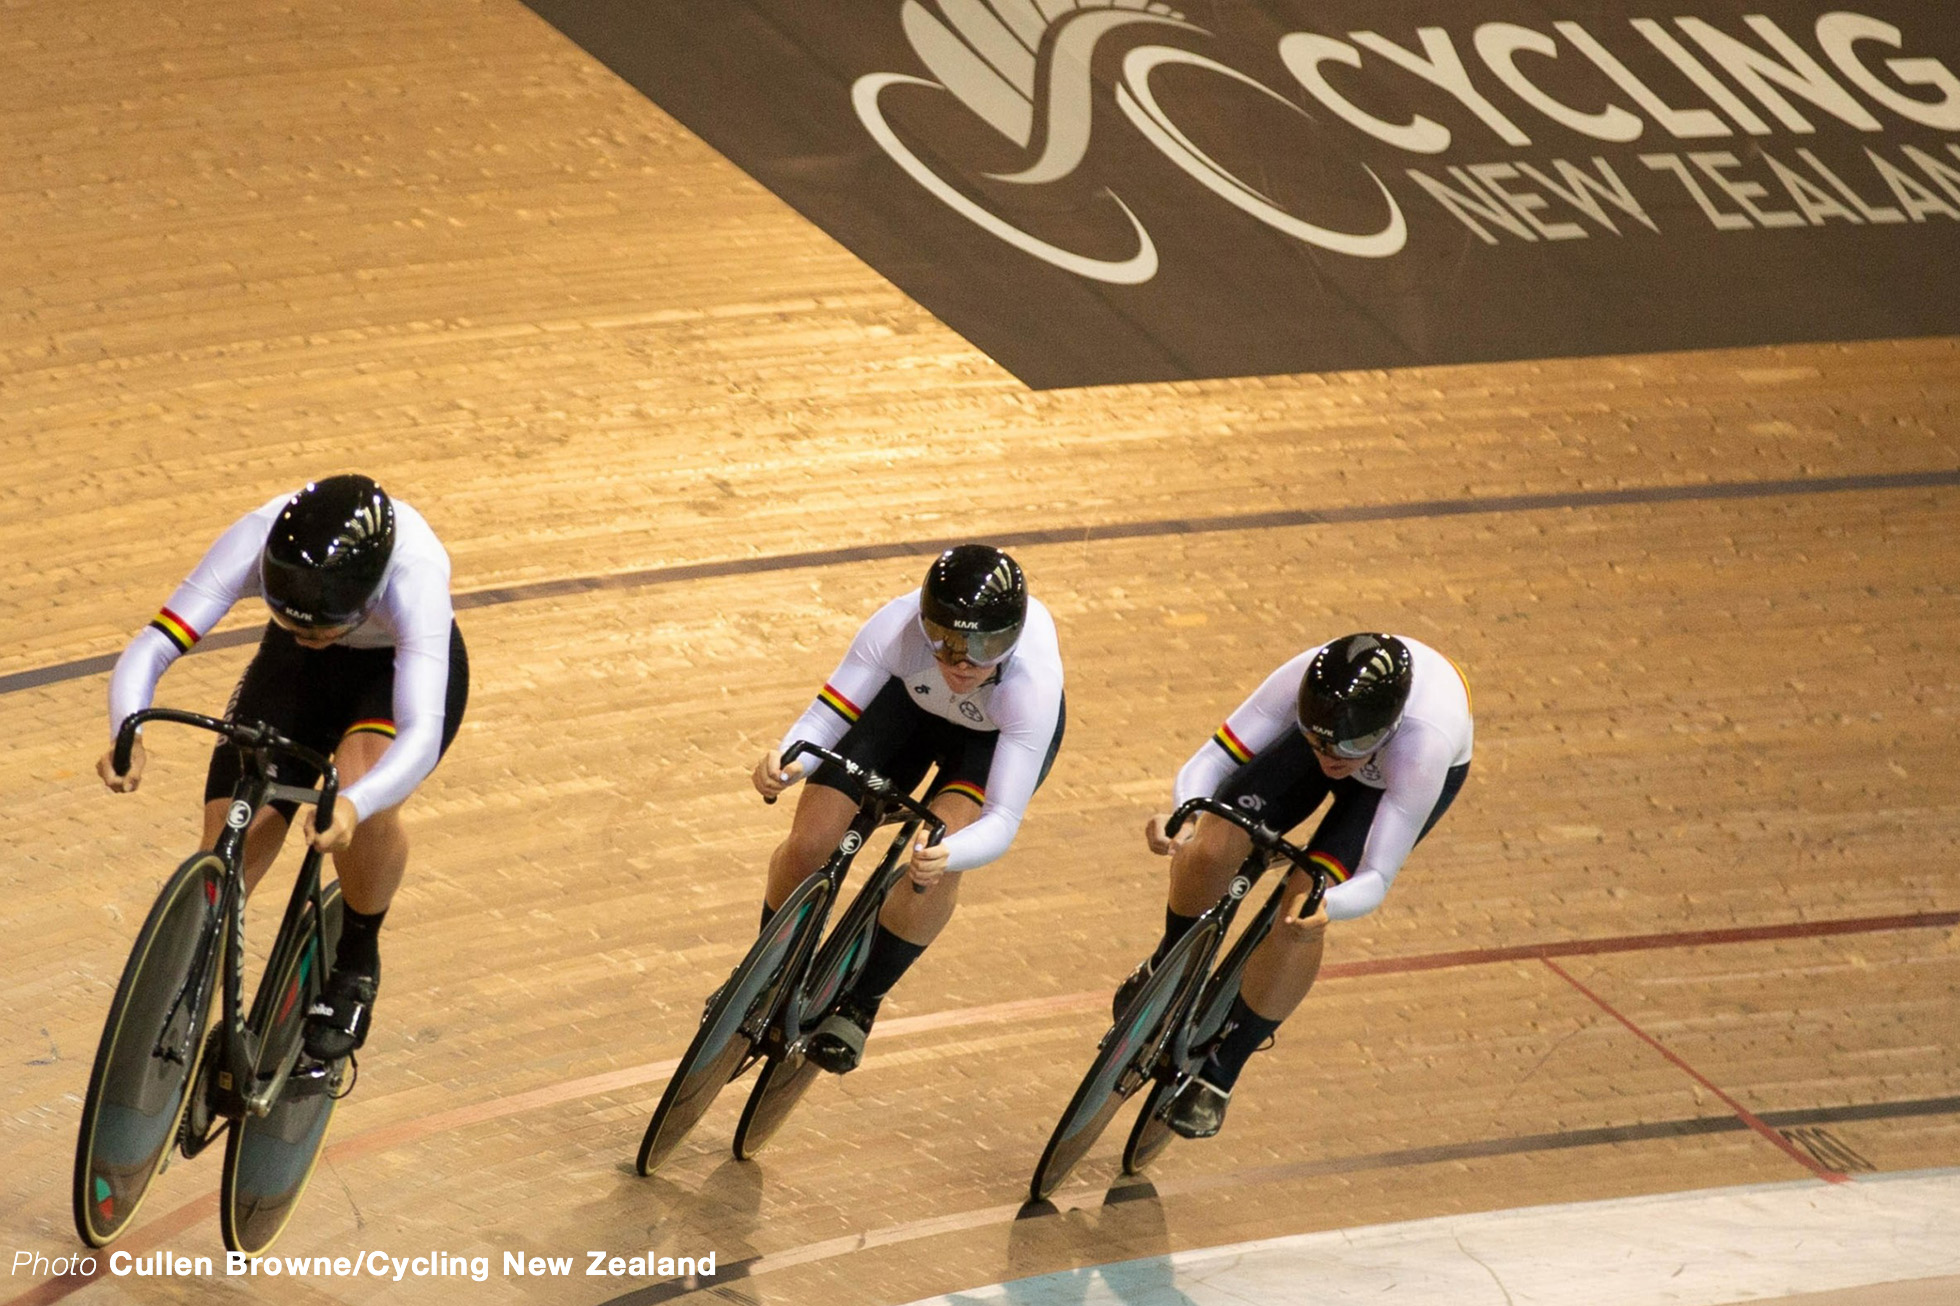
<point>228,571</point>
<point>1417,763</point>
<point>1028,718</point>
<point>1270,711</point>
<point>417,601</point>
<point>868,664</point>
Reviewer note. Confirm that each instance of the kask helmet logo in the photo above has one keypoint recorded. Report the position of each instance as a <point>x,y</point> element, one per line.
<point>1024,69</point>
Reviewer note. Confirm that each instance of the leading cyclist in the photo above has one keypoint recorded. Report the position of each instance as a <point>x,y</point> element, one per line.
<point>1379,722</point>
<point>964,673</point>
<point>361,660</point>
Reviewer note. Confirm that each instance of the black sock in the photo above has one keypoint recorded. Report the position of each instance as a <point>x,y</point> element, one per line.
<point>1245,1030</point>
<point>890,958</point>
<point>360,943</point>
<point>768,914</point>
<point>1175,928</point>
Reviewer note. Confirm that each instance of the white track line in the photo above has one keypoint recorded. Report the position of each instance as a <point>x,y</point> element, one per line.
<point>1679,1249</point>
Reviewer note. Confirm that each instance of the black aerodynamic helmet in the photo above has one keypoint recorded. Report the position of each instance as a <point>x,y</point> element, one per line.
<point>327,551</point>
<point>1351,698</point>
<point>973,604</point>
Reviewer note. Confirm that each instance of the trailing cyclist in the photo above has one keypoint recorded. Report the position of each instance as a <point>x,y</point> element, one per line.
<point>965,675</point>
<point>361,660</point>
<point>1382,725</point>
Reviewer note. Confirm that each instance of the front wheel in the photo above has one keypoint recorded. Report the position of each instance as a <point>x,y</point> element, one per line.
<point>269,1158</point>
<point>1123,1064</point>
<point>732,1024</point>
<point>149,1051</point>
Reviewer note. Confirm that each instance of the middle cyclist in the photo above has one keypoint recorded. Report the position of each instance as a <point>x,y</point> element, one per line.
<point>965,673</point>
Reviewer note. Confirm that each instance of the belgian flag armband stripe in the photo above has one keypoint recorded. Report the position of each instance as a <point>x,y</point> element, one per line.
<point>837,703</point>
<point>1336,872</point>
<point>175,629</point>
<point>1234,746</point>
<point>967,789</point>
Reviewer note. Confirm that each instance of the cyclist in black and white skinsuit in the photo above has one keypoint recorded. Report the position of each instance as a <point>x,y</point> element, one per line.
<point>964,674</point>
<point>362,660</point>
<point>1382,725</point>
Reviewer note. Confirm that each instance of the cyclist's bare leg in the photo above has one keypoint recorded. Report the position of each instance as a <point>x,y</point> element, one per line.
<point>918,917</point>
<point>262,839</point>
<point>822,816</point>
<point>1203,866</point>
<point>1284,966</point>
<point>371,867</point>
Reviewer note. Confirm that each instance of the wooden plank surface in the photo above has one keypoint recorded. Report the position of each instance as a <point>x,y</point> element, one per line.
<point>438,244</point>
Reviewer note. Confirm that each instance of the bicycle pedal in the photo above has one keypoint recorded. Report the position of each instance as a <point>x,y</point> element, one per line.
<point>311,1078</point>
<point>349,1074</point>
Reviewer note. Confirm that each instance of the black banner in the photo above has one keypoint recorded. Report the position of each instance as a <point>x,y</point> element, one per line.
<point>1131,191</point>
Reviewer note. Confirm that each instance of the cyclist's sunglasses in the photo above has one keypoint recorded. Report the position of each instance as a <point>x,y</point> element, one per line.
<point>1347,750</point>
<point>981,648</point>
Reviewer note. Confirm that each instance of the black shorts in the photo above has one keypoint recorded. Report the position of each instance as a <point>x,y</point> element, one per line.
<point>1284,785</point>
<point>900,740</point>
<point>319,696</point>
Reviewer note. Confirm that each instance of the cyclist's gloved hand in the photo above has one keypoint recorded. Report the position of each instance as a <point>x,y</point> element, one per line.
<point>928,863</point>
<point>1153,834</point>
<point>771,777</point>
<point>122,784</point>
<point>337,836</point>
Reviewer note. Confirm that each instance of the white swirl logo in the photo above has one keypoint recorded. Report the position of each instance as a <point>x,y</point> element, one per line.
<point>851,841</point>
<point>1025,71</point>
<point>239,813</point>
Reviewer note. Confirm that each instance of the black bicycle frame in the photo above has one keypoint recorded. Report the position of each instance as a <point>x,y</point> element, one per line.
<point>878,799</point>
<point>1268,848</point>
<point>255,788</point>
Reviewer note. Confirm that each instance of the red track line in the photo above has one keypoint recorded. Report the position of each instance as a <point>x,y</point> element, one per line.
<point>1643,943</point>
<point>1742,1112</point>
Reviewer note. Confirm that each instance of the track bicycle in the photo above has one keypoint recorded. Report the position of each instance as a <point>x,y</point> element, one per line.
<point>1163,1035</point>
<point>787,985</point>
<point>159,1081</point>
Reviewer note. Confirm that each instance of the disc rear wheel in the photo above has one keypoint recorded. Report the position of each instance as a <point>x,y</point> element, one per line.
<point>1150,1135</point>
<point>783,1082</point>
<point>269,1158</point>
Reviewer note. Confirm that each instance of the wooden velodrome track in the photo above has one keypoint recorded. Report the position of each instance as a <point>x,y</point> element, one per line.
<point>1691,924</point>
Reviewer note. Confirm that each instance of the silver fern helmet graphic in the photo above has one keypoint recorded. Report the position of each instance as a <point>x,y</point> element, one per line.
<point>1023,68</point>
